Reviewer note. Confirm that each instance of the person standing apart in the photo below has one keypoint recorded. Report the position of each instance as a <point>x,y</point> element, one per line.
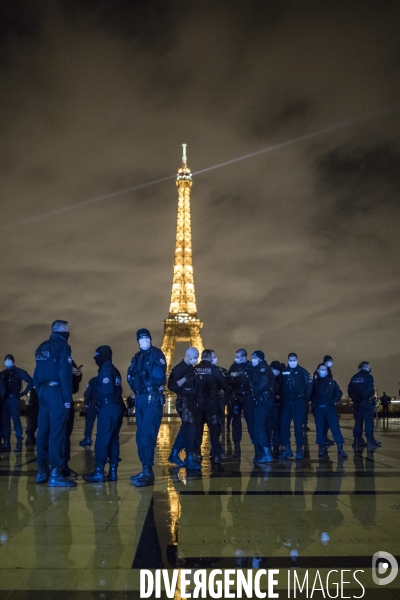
<point>107,391</point>
<point>147,378</point>
<point>13,377</point>
<point>53,383</point>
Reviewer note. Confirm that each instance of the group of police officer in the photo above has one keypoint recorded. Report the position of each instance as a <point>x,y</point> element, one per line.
<point>269,396</point>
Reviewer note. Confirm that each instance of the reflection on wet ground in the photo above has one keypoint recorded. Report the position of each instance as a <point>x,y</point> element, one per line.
<point>309,514</point>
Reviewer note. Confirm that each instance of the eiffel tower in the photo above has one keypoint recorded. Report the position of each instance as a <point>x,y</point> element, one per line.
<point>182,324</point>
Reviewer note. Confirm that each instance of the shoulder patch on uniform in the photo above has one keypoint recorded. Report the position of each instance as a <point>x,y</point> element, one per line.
<point>117,381</point>
<point>106,380</point>
<point>42,355</point>
<point>262,370</point>
<point>70,360</point>
<point>162,361</point>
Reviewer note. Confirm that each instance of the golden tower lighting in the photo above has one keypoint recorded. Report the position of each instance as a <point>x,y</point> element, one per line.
<point>182,324</point>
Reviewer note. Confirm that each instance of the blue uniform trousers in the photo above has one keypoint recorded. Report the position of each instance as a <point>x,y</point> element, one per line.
<point>148,419</point>
<point>11,411</point>
<point>363,415</point>
<point>261,412</point>
<point>68,432</point>
<point>274,425</point>
<point>52,423</point>
<point>292,410</point>
<point>90,417</point>
<point>327,415</point>
<point>109,421</point>
<point>243,403</point>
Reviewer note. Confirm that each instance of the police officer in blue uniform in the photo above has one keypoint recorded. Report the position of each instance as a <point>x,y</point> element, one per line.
<point>361,390</point>
<point>76,380</point>
<point>326,394</point>
<point>147,378</point>
<point>13,377</point>
<point>181,382</point>
<point>2,394</point>
<point>90,412</point>
<point>108,393</point>
<point>262,379</point>
<point>275,414</point>
<point>240,398</point>
<point>53,383</point>
<point>209,381</point>
<point>296,391</point>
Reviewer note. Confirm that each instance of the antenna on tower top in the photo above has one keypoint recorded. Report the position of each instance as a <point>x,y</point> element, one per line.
<point>184,159</point>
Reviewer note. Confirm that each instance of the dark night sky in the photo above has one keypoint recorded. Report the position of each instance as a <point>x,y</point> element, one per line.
<point>297,249</point>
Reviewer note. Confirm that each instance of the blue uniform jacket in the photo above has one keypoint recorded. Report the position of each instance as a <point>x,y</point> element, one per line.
<point>326,392</point>
<point>13,379</point>
<point>88,394</point>
<point>262,381</point>
<point>296,383</point>
<point>361,386</point>
<point>107,385</point>
<point>54,363</point>
<point>147,371</point>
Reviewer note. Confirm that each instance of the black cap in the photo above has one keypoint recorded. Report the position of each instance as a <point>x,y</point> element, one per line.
<point>259,353</point>
<point>327,357</point>
<point>10,356</point>
<point>142,333</point>
<point>276,365</point>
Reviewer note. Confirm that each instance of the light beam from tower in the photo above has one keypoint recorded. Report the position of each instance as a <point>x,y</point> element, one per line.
<point>182,324</point>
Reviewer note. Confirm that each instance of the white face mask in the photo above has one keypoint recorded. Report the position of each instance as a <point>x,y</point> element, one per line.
<point>144,343</point>
<point>329,363</point>
<point>8,363</point>
<point>292,364</point>
<point>323,373</point>
<point>214,360</point>
<point>255,361</point>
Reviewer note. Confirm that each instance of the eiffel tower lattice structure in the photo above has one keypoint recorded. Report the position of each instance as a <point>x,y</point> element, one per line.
<point>182,324</point>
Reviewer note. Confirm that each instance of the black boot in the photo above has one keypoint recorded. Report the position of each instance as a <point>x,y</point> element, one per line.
<point>86,441</point>
<point>299,451</point>
<point>58,480</point>
<point>359,443</point>
<point>266,456</point>
<point>237,451</point>
<point>191,464</point>
<point>275,450</point>
<point>371,445</point>
<point>18,446</point>
<point>329,442</point>
<point>146,478</point>
<point>30,440</point>
<point>323,451</point>
<point>376,442</point>
<point>174,458</point>
<point>112,473</point>
<point>287,453</point>
<point>340,452</point>
<point>97,476</point>
<point>68,472</point>
<point>42,474</point>
<point>133,478</point>
<point>6,447</point>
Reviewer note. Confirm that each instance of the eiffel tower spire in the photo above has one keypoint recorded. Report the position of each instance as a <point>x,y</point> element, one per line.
<point>182,324</point>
